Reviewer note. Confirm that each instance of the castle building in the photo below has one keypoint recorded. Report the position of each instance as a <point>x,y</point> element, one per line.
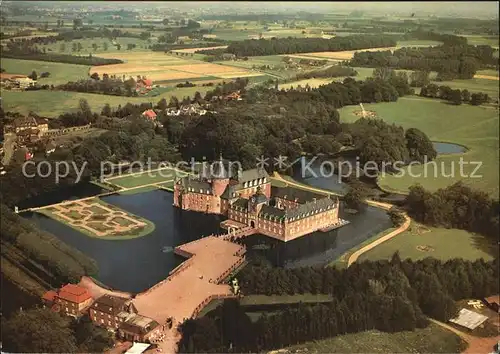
<point>250,203</point>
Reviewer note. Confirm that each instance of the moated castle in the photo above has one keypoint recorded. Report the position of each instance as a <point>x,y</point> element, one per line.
<point>250,203</point>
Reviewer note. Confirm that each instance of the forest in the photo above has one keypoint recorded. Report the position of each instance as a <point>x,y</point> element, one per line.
<point>274,46</point>
<point>387,296</point>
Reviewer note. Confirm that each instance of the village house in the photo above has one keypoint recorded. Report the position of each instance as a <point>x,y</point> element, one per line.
<point>144,85</point>
<point>14,81</point>
<point>41,125</point>
<point>71,300</point>
<point>191,109</point>
<point>109,311</point>
<point>138,328</point>
<point>151,116</point>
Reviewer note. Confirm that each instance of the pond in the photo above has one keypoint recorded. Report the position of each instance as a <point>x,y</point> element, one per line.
<point>448,148</point>
<point>137,264</point>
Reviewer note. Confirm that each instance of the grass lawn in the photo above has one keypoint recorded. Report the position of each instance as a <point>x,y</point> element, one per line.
<point>54,103</point>
<point>432,339</point>
<point>341,262</point>
<point>60,73</point>
<point>162,176</point>
<point>419,242</point>
<point>471,126</point>
<point>474,85</point>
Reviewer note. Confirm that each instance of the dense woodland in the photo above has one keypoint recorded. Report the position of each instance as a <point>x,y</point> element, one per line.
<point>253,47</point>
<point>388,296</point>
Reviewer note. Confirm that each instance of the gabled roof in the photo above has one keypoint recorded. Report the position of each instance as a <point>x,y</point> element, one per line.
<point>240,203</point>
<point>110,304</point>
<point>149,114</point>
<point>74,293</point>
<point>147,82</point>
<point>300,212</point>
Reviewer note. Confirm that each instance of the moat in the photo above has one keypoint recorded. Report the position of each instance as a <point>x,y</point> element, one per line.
<point>137,264</point>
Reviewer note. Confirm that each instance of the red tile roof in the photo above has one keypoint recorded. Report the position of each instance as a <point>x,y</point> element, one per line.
<point>149,114</point>
<point>74,293</point>
<point>49,295</point>
<point>148,82</point>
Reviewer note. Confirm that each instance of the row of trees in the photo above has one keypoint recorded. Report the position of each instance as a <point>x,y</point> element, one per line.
<point>455,96</point>
<point>333,71</point>
<point>50,258</point>
<point>388,296</point>
<point>108,85</point>
<point>303,45</point>
<point>449,61</point>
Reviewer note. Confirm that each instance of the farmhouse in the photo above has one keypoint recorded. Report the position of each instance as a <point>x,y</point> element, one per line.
<point>249,202</point>
<point>191,109</point>
<point>71,300</point>
<point>13,81</point>
<point>144,85</point>
<point>40,125</point>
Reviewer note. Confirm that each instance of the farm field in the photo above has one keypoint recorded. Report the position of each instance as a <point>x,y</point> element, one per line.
<point>482,40</point>
<point>420,241</point>
<point>67,47</point>
<point>159,66</point>
<point>311,82</point>
<point>53,103</point>
<point>59,72</point>
<point>475,127</point>
<point>193,50</point>
<point>432,339</point>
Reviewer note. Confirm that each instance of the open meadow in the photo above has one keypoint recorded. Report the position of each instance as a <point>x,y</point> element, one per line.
<point>475,127</point>
<point>421,241</point>
<point>51,104</point>
<point>432,339</point>
<point>60,73</point>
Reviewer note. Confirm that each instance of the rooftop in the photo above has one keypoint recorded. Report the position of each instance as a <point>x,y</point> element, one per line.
<point>74,293</point>
<point>290,193</point>
<point>110,304</point>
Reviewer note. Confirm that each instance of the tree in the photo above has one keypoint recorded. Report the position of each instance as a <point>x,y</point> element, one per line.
<point>162,104</point>
<point>33,75</point>
<point>85,108</point>
<point>166,21</point>
<point>131,46</point>
<point>77,22</point>
<point>105,45</point>
<point>118,46</point>
<point>94,46</point>
<point>38,331</point>
<point>419,145</point>
<point>383,73</point>
<point>74,46</point>
<point>396,217</point>
<point>89,337</point>
<point>106,110</point>
<point>62,47</point>
<point>79,45</point>
<point>355,196</point>
<point>465,95</point>
<point>95,76</point>
<point>456,97</point>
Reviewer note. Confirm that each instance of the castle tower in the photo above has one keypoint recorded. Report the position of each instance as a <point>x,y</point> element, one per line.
<point>220,177</point>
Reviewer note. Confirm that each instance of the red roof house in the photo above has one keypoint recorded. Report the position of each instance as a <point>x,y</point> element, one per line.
<point>70,299</point>
<point>144,84</point>
<point>149,114</point>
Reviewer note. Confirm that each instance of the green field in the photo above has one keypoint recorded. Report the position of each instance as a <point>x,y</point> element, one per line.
<point>482,40</point>
<point>59,72</point>
<point>419,242</point>
<point>475,127</point>
<point>475,85</point>
<point>432,339</point>
<point>54,103</point>
<point>163,176</point>
<point>88,42</point>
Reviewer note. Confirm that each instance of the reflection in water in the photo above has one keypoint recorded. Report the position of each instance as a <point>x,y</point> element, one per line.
<point>320,248</point>
<point>135,265</point>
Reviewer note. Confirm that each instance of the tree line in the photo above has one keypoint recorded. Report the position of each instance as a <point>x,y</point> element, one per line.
<point>49,258</point>
<point>387,296</point>
<point>109,85</point>
<point>458,61</point>
<point>456,206</point>
<point>251,47</point>
<point>455,96</point>
<point>333,71</point>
